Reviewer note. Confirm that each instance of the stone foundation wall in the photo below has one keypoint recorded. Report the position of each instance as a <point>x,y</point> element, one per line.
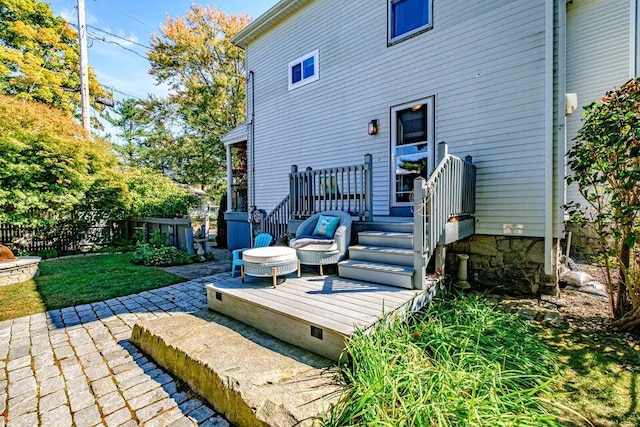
<point>18,271</point>
<point>516,264</point>
<point>585,241</point>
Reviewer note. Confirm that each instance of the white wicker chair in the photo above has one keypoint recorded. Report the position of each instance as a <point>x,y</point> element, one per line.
<point>342,237</point>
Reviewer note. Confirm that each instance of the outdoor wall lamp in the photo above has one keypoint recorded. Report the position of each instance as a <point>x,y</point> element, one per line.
<point>373,127</point>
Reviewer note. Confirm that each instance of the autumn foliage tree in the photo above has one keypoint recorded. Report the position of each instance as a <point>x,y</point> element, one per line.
<point>39,56</point>
<point>205,72</point>
<point>605,162</point>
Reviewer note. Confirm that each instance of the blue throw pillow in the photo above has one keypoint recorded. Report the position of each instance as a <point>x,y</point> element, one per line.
<point>326,226</point>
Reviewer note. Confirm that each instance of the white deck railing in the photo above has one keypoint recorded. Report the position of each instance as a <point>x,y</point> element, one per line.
<point>449,192</point>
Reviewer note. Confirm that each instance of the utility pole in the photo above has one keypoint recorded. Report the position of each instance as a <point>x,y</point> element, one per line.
<point>84,66</point>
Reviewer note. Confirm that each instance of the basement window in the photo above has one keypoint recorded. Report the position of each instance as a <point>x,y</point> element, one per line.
<point>303,70</point>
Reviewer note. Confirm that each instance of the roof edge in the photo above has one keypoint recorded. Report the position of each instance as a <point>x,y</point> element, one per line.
<point>265,21</point>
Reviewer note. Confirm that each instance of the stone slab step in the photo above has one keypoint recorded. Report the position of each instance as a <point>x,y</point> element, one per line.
<point>382,254</point>
<point>386,238</point>
<point>249,377</point>
<point>386,274</point>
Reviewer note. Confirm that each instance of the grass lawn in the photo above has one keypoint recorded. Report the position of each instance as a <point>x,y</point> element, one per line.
<point>71,281</point>
<point>598,376</point>
<point>464,362</point>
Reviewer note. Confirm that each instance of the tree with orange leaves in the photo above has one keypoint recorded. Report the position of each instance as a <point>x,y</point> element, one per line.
<point>205,72</point>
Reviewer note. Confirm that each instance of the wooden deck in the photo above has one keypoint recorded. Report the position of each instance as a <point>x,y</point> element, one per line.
<point>314,312</point>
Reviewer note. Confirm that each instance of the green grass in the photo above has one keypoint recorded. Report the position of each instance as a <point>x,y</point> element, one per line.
<point>71,281</point>
<point>599,375</point>
<point>458,363</point>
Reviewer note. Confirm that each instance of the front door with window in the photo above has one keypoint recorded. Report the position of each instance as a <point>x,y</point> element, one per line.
<point>412,150</point>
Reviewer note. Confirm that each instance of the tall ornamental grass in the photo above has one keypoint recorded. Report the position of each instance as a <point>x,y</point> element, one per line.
<point>458,363</point>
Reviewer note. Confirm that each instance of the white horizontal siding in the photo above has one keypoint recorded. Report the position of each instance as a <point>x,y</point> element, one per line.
<point>598,56</point>
<point>483,62</point>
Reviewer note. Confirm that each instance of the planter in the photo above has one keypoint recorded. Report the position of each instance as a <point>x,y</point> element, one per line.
<point>19,270</point>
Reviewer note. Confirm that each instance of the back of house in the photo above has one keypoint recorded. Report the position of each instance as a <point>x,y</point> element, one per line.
<point>332,81</point>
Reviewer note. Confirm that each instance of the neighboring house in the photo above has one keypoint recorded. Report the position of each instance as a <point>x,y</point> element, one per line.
<point>487,77</point>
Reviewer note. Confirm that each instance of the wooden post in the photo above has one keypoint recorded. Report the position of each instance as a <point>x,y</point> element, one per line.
<point>443,150</point>
<point>229,180</point>
<point>419,234</point>
<point>310,205</point>
<point>293,191</point>
<point>368,189</point>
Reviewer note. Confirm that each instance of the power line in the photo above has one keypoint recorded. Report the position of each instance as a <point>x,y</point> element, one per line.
<point>119,37</point>
<point>127,15</point>
<point>105,40</point>
<point>124,93</point>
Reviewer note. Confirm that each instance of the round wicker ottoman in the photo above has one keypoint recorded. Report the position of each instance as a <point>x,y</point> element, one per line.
<point>272,261</point>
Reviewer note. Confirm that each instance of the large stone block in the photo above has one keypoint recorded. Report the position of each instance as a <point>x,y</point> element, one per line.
<point>483,245</point>
<point>535,252</point>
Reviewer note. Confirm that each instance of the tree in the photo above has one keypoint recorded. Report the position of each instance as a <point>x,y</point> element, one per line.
<point>49,165</point>
<point>133,123</point>
<point>205,72</point>
<point>605,162</point>
<point>155,195</point>
<point>39,56</point>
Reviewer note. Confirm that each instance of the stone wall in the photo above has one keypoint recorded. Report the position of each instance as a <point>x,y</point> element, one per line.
<point>585,242</point>
<point>515,264</point>
<point>18,271</point>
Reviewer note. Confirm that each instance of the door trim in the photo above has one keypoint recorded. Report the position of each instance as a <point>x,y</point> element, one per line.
<point>393,134</point>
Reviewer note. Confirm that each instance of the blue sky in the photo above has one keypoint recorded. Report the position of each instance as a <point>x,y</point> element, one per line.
<point>123,67</point>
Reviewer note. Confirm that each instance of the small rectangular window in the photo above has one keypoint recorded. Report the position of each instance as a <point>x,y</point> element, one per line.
<point>408,17</point>
<point>303,70</point>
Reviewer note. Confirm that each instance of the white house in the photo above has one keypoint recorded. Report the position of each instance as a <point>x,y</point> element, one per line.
<point>489,78</point>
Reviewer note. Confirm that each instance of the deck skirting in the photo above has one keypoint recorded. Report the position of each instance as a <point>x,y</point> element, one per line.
<point>317,313</point>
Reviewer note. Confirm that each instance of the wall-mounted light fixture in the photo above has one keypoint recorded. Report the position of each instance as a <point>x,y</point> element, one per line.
<point>373,127</point>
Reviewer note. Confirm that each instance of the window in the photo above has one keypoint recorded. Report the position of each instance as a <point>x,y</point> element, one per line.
<point>303,70</point>
<point>412,147</point>
<point>408,17</point>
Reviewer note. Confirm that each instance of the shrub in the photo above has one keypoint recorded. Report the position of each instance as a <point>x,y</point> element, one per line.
<point>158,239</point>
<point>604,163</point>
<point>147,254</point>
<point>155,195</point>
<point>47,253</point>
<point>458,363</point>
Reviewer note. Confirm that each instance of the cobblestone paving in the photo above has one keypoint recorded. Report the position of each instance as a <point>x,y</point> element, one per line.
<point>76,366</point>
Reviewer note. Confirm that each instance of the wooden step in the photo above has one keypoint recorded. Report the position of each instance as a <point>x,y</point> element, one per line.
<point>386,274</point>
<point>382,254</point>
<point>386,239</point>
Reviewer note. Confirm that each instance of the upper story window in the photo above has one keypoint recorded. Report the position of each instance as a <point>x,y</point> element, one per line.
<point>408,17</point>
<point>303,70</point>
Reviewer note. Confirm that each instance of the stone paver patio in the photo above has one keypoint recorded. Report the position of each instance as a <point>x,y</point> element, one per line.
<point>76,366</point>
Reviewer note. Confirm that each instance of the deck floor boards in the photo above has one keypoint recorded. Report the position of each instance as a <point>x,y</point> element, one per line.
<point>342,305</point>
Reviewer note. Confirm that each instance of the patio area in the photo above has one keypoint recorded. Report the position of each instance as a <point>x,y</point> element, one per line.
<point>314,312</point>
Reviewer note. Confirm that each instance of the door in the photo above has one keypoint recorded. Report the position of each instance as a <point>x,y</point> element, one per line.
<point>412,150</point>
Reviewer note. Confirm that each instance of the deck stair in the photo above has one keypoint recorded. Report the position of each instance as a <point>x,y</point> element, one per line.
<point>382,256</point>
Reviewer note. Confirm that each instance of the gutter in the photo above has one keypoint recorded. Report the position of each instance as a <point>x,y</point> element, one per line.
<point>265,21</point>
<point>548,140</point>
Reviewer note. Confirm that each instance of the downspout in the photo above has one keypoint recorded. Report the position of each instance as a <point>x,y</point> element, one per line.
<point>633,45</point>
<point>561,134</point>
<point>252,151</point>
<point>548,139</point>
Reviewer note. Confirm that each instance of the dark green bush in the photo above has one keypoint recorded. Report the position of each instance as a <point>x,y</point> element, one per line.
<point>47,253</point>
<point>146,254</point>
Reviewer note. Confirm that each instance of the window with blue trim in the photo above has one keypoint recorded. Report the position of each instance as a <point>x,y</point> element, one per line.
<point>303,70</point>
<point>408,17</point>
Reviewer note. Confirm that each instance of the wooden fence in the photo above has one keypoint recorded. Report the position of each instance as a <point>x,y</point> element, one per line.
<point>63,237</point>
